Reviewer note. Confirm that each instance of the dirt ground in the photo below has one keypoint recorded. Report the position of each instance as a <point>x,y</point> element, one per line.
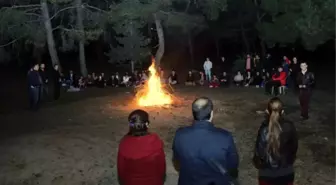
<point>75,141</point>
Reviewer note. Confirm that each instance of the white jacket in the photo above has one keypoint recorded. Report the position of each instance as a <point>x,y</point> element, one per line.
<point>207,65</point>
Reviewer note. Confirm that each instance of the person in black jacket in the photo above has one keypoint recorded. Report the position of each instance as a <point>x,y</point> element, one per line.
<point>56,82</point>
<point>34,83</point>
<point>44,86</point>
<point>305,82</point>
<point>276,147</point>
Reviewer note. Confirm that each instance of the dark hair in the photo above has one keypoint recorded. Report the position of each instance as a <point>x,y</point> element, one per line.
<point>138,121</point>
<point>202,108</point>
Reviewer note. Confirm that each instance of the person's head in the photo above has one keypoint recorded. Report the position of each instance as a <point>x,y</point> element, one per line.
<point>257,73</point>
<point>275,112</point>
<point>294,60</point>
<point>93,74</point>
<point>36,67</point>
<point>304,66</point>
<point>224,73</point>
<point>102,74</point>
<point>138,122</point>
<point>202,109</point>
<point>238,73</point>
<point>263,70</point>
<point>223,59</point>
<point>285,57</point>
<point>248,56</point>
<point>280,69</point>
<point>42,66</point>
<point>71,72</point>
<point>56,67</point>
<point>267,74</point>
<point>190,72</point>
<point>207,59</point>
<point>173,72</point>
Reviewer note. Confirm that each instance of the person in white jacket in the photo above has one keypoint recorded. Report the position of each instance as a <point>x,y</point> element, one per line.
<point>207,66</point>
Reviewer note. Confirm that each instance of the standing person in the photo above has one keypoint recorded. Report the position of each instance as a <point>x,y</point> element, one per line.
<point>276,147</point>
<point>34,83</point>
<point>56,82</point>
<point>207,66</point>
<point>141,158</point>
<point>248,63</point>
<point>294,70</point>
<point>44,86</point>
<point>305,81</point>
<point>202,153</point>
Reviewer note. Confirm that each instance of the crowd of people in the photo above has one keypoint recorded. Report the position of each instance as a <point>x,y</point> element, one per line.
<point>206,155</point>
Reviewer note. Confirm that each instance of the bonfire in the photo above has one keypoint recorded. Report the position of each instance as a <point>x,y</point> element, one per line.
<point>153,92</point>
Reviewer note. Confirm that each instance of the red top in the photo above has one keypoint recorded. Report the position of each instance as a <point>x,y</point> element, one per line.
<point>141,160</point>
<point>281,77</point>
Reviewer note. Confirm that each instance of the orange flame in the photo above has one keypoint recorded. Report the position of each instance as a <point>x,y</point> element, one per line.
<point>153,94</point>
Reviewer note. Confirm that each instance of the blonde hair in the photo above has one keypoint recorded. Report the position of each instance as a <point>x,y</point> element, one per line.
<point>275,108</point>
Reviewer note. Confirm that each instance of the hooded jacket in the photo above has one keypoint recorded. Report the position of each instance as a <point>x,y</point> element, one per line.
<point>141,160</point>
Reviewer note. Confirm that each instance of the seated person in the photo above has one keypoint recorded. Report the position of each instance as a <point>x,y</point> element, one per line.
<point>224,79</point>
<point>238,79</point>
<point>248,79</point>
<point>190,81</point>
<point>144,78</point>
<point>101,82</point>
<point>90,81</point>
<point>202,79</point>
<point>82,82</point>
<point>173,78</point>
<point>278,79</point>
<point>113,81</point>
<point>257,80</point>
<point>126,80</point>
<point>71,79</point>
<point>214,83</point>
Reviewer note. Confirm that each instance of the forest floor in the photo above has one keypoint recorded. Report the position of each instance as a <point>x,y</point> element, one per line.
<point>75,141</point>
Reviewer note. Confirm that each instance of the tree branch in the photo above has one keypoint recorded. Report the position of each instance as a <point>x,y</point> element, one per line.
<point>9,43</point>
<point>24,6</point>
<point>95,8</point>
<point>61,10</point>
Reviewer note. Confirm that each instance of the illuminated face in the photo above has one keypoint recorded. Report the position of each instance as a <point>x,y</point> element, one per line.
<point>280,69</point>
<point>303,66</point>
<point>295,60</point>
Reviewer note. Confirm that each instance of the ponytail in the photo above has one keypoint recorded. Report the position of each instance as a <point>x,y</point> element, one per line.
<point>273,136</point>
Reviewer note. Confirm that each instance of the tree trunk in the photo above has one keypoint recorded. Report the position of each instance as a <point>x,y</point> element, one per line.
<point>161,49</point>
<point>247,45</point>
<point>132,66</point>
<point>191,48</point>
<point>217,48</point>
<point>80,27</point>
<point>37,54</point>
<point>49,32</point>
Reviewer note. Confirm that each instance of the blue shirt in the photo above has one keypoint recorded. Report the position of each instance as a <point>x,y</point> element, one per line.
<point>204,152</point>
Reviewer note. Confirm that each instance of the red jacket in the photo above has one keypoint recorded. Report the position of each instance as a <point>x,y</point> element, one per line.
<point>280,77</point>
<point>141,160</point>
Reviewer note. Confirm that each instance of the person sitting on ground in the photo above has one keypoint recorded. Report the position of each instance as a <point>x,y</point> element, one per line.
<point>113,81</point>
<point>266,79</point>
<point>257,80</point>
<point>238,79</point>
<point>278,79</point>
<point>141,158</point>
<point>202,78</point>
<point>101,82</point>
<point>173,78</point>
<point>276,147</point>
<point>224,80</point>
<point>71,79</point>
<point>95,78</point>
<point>248,79</point>
<point>82,82</point>
<point>214,82</point>
<point>202,153</point>
<point>90,81</point>
<point>126,80</point>
<point>190,80</point>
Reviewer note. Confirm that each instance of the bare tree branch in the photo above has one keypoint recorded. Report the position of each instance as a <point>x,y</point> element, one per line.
<point>24,6</point>
<point>95,8</point>
<point>61,10</point>
<point>9,43</point>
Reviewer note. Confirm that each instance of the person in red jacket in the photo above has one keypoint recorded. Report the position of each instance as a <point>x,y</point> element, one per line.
<point>278,79</point>
<point>141,158</point>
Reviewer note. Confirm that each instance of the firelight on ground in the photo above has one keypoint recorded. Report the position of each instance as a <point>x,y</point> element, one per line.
<point>153,93</point>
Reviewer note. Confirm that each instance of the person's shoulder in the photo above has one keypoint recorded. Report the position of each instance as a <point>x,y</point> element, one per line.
<point>224,133</point>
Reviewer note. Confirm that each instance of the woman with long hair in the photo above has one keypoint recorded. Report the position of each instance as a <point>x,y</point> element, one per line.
<point>141,158</point>
<point>276,147</point>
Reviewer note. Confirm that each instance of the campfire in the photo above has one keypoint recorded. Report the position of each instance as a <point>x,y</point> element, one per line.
<point>153,93</point>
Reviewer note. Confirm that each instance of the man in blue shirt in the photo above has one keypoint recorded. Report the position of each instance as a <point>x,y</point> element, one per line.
<point>34,85</point>
<point>203,153</point>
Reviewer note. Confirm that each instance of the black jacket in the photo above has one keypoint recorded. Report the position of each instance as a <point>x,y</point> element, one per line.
<point>44,77</point>
<point>34,78</point>
<point>56,78</point>
<point>306,79</point>
<point>272,165</point>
